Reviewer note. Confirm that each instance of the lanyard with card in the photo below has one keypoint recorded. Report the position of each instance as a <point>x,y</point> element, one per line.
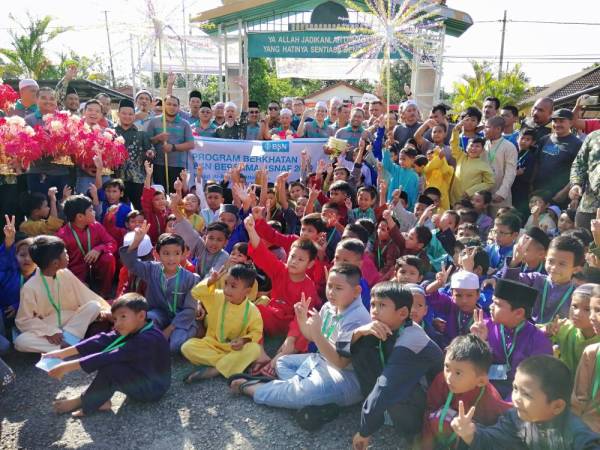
<point>164,286</point>
<point>120,341</point>
<point>566,296</point>
<point>394,336</point>
<point>88,237</point>
<point>446,411</point>
<point>222,325</point>
<point>55,304</point>
<point>327,328</point>
<point>500,371</point>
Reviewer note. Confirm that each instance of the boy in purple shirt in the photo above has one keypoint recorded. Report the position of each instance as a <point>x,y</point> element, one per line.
<point>133,359</point>
<point>565,257</point>
<point>510,335</point>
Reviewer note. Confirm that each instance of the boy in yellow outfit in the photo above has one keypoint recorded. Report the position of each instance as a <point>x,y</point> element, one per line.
<point>472,173</point>
<point>234,326</point>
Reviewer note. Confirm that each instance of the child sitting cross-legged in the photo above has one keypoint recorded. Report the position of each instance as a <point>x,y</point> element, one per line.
<point>586,397</point>
<point>390,356</point>
<point>233,326</point>
<point>541,417</point>
<point>55,305</point>
<point>571,336</point>
<point>129,282</point>
<point>316,384</point>
<point>464,379</point>
<point>133,359</point>
<point>168,285</point>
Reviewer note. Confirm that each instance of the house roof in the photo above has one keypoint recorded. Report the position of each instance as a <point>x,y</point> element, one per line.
<point>567,86</point>
<point>457,22</point>
<point>85,89</point>
<point>333,86</point>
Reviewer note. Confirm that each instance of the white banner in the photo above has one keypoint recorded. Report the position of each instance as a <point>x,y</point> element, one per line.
<point>219,155</point>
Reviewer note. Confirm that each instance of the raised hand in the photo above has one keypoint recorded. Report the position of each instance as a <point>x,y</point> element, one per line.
<point>71,73</point>
<point>178,185</point>
<point>138,235</point>
<point>149,168</point>
<point>479,328</point>
<point>468,259</point>
<point>240,192</point>
<point>463,424</point>
<point>442,276</point>
<point>348,203</point>
<point>249,223</point>
<point>52,194</point>
<point>185,177</point>
<point>98,161</point>
<point>10,231</point>
<point>552,328</point>
<point>67,192</point>
<point>171,78</point>
<point>199,171</point>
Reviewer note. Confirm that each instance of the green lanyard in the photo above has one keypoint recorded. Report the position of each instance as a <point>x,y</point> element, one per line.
<point>521,157</point>
<point>538,268</point>
<point>564,298</point>
<point>445,409</point>
<point>508,351</point>
<point>493,151</point>
<point>21,280</point>
<point>55,305</point>
<point>244,320</point>
<point>380,346</point>
<point>596,384</point>
<point>118,342</point>
<point>89,240</point>
<point>327,328</point>
<point>330,238</point>
<point>380,252</point>
<point>195,218</point>
<point>459,321</point>
<point>164,286</point>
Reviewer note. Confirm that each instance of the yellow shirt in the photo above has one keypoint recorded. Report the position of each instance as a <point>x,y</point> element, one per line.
<point>232,323</point>
<point>471,174</point>
<point>34,228</point>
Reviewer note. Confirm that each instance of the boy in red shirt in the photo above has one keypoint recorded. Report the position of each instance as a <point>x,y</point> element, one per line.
<point>312,227</point>
<point>154,206</point>
<point>465,378</point>
<point>91,249</point>
<point>290,283</point>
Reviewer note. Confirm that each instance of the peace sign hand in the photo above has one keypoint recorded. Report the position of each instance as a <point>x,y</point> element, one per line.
<point>463,424</point>
<point>9,231</point>
<point>138,235</point>
<point>479,328</point>
<point>442,276</point>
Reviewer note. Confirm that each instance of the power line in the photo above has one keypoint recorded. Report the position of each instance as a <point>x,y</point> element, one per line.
<point>547,22</point>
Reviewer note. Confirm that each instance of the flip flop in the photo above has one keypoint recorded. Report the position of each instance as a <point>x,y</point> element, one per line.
<point>195,375</point>
<point>241,387</point>
<point>245,376</point>
<point>256,368</point>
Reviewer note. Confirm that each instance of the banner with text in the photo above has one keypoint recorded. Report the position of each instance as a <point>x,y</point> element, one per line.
<point>219,155</point>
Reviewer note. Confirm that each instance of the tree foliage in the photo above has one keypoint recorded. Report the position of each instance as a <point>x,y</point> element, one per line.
<point>471,91</point>
<point>27,56</point>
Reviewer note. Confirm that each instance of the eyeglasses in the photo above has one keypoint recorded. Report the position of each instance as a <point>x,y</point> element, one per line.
<point>504,233</point>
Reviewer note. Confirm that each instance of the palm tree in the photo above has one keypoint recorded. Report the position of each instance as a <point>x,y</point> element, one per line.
<point>471,91</point>
<point>27,55</point>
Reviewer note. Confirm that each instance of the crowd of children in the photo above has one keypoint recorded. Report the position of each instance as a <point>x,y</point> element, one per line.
<point>456,320</point>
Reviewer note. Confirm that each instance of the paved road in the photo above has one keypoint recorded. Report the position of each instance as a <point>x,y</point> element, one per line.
<point>203,416</point>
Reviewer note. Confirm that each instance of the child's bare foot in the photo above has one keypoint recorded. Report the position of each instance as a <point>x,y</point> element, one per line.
<point>66,405</point>
<point>106,406</point>
<point>236,385</point>
<point>203,373</point>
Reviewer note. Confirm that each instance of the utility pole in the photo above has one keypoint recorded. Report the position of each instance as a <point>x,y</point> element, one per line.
<point>132,65</point>
<point>502,46</point>
<point>185,37</point>
<point>110,58</point>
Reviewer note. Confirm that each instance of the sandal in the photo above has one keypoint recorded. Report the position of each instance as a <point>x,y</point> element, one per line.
<point>195,375</point>
<point>247,384</point>
<point>245,376</point>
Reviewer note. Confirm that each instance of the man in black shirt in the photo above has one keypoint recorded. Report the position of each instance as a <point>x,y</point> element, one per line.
<point>555,155</point>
